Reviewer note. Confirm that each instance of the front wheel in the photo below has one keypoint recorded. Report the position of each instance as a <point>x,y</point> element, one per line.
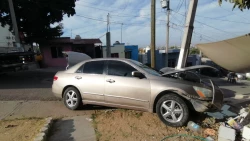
<point>172,110</point>
<point>72,98</point>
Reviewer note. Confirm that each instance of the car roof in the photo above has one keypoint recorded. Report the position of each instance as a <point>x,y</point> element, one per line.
<point>75,67</point>
<point>104,59</point>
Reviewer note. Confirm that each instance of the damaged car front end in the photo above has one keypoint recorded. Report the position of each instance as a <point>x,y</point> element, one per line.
<point>208,95</point>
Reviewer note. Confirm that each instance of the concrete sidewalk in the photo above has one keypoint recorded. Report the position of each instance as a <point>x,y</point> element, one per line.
<point>70,125</point>
<point>77,128</point>
<point>22,109</point>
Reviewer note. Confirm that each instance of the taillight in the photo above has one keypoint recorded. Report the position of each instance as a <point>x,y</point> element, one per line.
<point>55,78</point>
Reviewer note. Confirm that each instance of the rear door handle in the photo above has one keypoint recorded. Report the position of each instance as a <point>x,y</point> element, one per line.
<point>110,80</point>
<point>78,77</point>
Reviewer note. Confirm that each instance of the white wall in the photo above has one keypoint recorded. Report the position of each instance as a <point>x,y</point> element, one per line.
<point>6,37</point>
<point>116,49</point>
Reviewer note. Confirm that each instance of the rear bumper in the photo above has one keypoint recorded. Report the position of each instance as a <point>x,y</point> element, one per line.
<point>57,90</point>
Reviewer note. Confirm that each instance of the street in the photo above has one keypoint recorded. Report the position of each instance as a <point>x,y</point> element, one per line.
<point>28,94</point>
<point>26,85</point>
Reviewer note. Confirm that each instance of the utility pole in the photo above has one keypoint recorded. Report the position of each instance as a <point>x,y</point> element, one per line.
<point>14,23</point>
<point>121,32</point>
<point>166,5</point>
<point>108,38</point>
<point>186,41</point>
<point>152,46</point>
<point>71,33</point>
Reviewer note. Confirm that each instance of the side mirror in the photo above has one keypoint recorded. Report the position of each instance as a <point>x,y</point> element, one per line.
<point>137,74</point>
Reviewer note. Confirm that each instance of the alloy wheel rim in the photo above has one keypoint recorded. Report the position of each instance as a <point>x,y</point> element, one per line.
<point>171,111</point>
<point>71,98</point>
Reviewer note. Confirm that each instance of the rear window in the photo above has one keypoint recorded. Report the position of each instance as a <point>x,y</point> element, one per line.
<point>93,67</point>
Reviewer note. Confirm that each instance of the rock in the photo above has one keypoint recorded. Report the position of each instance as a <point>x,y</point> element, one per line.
<point>209,132</point>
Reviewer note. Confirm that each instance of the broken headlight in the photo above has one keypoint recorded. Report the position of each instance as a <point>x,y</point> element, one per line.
<point>203,92</point>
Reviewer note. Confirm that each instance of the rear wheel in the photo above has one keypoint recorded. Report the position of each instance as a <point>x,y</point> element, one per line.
<point>172,110</point>
<point>72,98</point>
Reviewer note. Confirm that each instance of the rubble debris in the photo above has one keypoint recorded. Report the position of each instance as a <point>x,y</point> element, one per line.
<point>8,126</point>
<point>193,126</point>
<point>226,134</point>
<point>89,119</point>
<point>246,132</point>
<point>209,139</point>
<point>208,122</point>
<point>231,122</point>
<point>209,132</point>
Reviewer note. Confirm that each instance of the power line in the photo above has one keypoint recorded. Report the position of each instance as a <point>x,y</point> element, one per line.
<point>196,33</point>
<point>210,26</point>
<point>126,8</point>
<point>231,12</point>
<point>215,18</point>
<point>223,20</point>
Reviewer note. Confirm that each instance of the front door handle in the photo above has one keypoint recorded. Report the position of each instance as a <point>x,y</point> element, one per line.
<point>78,77</point>
<point>110,80</point>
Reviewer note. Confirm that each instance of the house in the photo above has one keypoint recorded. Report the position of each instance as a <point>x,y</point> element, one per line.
<point>7,39</point>
<point>120,50</point>
<point>52,50</point>
<point>116,51</point>
<point>173,56</point>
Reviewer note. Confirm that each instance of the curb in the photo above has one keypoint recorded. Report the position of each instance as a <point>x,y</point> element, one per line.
<point>42,136</point>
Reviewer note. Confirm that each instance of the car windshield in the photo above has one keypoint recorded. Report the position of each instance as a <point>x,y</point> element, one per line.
<point>146,68</point>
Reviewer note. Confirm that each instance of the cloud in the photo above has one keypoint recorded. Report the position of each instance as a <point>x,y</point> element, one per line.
<point>135,16</point>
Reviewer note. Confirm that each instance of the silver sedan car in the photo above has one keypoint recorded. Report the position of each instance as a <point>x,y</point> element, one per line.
<point>129,84</point>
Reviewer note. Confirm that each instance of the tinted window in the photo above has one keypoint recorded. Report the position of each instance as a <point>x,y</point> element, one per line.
<point>119,68</point>
<point>93,67</point>
<point>209,72</point>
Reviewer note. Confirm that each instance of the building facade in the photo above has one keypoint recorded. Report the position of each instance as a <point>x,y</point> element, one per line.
<point>116,51</point>
<point>7,39</point>
<point>120,50</point>
<point>52,50</point>
<point>173,56</point>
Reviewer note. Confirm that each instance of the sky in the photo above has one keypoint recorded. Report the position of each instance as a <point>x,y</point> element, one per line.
<point>132,19</point>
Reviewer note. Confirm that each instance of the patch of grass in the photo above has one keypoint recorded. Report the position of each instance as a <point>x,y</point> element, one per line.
<point>97,133</point>
<point>138,114</point>
<point>23,118</point>
<point>125,134</point>
<point>21,129</point>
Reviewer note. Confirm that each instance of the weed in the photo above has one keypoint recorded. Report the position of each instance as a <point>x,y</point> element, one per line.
<point>125,134</point>
<point>97,133</point>
<point>138,114</point>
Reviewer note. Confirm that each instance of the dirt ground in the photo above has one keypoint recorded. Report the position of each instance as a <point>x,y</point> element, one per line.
<point>20,129</point>
<point>132,125</point>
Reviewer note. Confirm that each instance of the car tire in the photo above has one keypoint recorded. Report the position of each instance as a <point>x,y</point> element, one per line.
<point>72,98</point>
<point>172,110</point>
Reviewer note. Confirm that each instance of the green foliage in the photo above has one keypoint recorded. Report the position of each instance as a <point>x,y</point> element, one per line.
<point>35,17</point>
<point>241,4</point>
<point>174,47</point>
<point>194,51</point>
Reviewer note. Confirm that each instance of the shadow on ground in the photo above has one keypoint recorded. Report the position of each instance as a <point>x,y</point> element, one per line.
<point>26,80</point>
<point>95,107</point>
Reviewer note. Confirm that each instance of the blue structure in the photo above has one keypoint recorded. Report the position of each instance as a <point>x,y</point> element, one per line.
<point>131,52</point>
<point>173,56</point>
<point>159,59</point>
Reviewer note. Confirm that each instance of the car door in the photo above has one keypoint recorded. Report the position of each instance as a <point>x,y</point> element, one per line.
<point>122,89</point>
<point>90,81</point>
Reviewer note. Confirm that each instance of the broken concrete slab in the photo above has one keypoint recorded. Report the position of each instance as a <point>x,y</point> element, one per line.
<point>73,129</point>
